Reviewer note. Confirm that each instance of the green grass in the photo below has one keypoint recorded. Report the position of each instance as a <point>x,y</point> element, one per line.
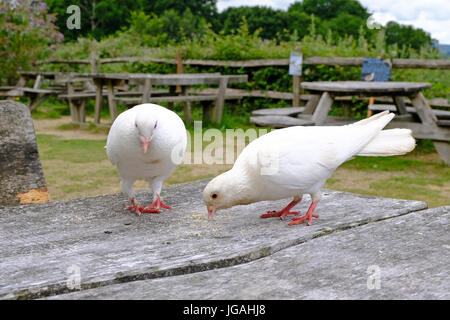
<point>75,151</point>
<point>51,108</point>
<point>78,168</point>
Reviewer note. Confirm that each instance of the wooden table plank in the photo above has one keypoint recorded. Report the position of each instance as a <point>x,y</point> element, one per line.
<point>42,243</point>
<point>292,111</point>
<point>405,257</point>
<point>365,87</point>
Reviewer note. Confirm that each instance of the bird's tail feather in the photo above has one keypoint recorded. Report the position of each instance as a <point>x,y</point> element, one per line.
<point>389,142</point>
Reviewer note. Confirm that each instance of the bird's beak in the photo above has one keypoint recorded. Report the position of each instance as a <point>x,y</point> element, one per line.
<point>145,141</point>
<point>211,210</point>
<point>145,146</point>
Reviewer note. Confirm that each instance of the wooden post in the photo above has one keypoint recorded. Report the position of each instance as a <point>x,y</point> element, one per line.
<point>217,111</point>
<point>296,91</point>
<point>93,61</point>
<point>371,102</point>
<point>295,69</point>
<point>180,68</point>
<point>147,91</point>
<point>98,99</point>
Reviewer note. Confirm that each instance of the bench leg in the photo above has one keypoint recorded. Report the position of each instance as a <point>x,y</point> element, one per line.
<point>37,100</point>
<point>207,111</point>
<point>311,105</point>
<point>443,149</point>
<point>427,116</point>
<point>400,104</point>
<point>187,107</point>
<point>98,100</point>
<point>82,111</point>
<point>172,91</point>
<point>321,113</point>
<point>218,108</point>
<point>111,102</point>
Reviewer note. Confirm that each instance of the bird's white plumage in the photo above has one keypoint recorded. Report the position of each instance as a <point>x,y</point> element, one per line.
<point>165,150</point>
<point>298,160</point>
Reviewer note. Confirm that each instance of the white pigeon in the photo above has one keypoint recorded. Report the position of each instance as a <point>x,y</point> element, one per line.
<point>294,161</point>
<point>147,141</point>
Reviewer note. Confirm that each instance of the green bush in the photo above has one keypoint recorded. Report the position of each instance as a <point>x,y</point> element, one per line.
<point>142,39</point>
<point>27,33</point>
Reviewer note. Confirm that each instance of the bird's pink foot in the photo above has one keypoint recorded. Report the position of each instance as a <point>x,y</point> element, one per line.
<point>155,206</point>
<point>295,221</point>
<point>138,209</point>
<point>307,217</point>
<point>283,212</point>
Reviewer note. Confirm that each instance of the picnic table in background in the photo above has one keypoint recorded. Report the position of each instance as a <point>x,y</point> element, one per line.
<point>425,122</point>
<point>421,119</point>
<point>148,93</point>
<point>36,93</point>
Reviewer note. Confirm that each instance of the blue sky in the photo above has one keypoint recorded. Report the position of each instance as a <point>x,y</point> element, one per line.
<point>431,15</point>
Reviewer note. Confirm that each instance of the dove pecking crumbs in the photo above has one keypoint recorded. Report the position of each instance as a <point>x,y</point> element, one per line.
<point>298,160</point>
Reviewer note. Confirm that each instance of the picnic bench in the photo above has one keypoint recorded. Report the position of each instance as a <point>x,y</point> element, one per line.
<point>148,93</point>
<point>36,93</point>
<point>420,118</point>
<point>361,247</point>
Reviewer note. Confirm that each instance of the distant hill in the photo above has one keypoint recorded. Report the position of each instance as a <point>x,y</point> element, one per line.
<point>445,48</point>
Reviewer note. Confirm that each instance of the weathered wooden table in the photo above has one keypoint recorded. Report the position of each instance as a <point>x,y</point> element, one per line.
<point>110,80</point>
<point>427,128</point>
<point>361,247</point>
<point>36,94</point>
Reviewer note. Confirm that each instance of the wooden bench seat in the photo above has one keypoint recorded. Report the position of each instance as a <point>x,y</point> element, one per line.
<point>129,101</point>
<point>13,91</point>
<point>280,121</point>
<point>90,95</point>
<point>175,98</point>
<point>442,114</point>
<point>279,111</point>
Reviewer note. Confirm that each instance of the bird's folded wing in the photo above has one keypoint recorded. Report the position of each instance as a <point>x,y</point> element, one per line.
<point>299,158</point>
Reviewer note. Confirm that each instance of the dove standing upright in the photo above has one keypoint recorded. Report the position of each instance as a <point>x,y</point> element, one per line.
<point>294,161</point>
<point>147,141</point>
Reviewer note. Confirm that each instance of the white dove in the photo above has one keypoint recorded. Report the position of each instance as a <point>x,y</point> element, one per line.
<point>147,141</point>
<point>298,160</point>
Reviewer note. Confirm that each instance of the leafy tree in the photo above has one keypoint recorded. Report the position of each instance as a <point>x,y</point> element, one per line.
<point>98,17</point>
<point>299,22</point>
<point>202,8</point>
<point>27,33</point>
<point>328,9</point>
<point>104,17</point>
<point>345,24</point>
<point>270,21</point>
<point>169,26</point>
<point>404,35</point>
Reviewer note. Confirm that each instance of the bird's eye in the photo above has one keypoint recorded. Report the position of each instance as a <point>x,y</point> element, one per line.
<point>156,123</point>
<point>214,195</point>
